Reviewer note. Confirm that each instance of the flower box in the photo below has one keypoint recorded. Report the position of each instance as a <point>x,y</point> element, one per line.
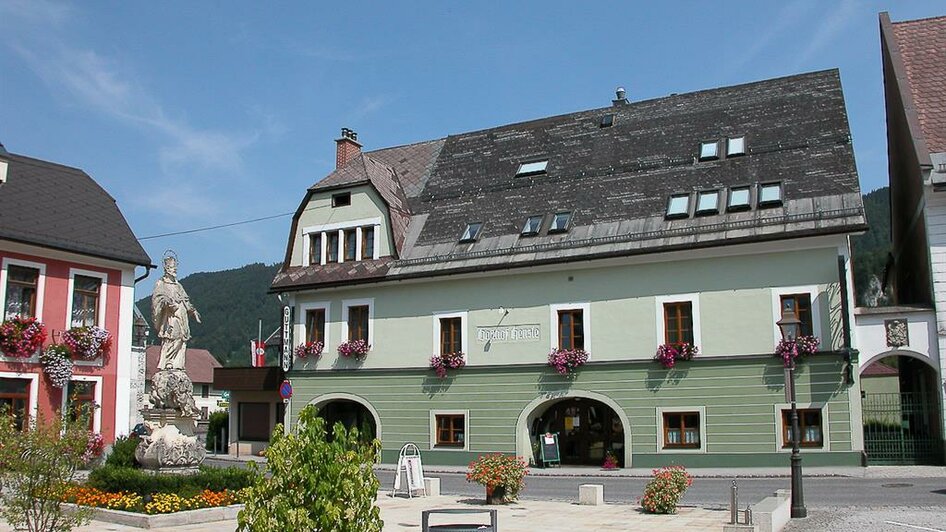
<point>669,354</point>
<point>57,364</point>
<point>441,363</point>
<point>88,343</point>
<point>21,337</point>
<point>354,349</point>
<point>566,361</point>
<point>309,349</point>
<point>788,351</point>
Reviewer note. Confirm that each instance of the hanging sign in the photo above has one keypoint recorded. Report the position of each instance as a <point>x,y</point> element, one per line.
<point>286,338</point>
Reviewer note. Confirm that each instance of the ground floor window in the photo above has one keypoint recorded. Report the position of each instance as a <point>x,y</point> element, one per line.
<point>81,397</point>
<point>681,430</point>
<point>450,430</point>
<point>254,422</point>
<point>15,400</point>
<point>809,424</point>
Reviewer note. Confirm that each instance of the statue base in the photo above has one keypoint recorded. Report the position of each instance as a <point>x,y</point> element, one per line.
<point>171,445</point>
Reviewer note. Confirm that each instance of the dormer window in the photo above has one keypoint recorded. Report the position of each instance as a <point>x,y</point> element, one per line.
<point>471,233</point>
<point>607,121</point>
<point>533,168</point>
<point>770,195</point>
<point>739,199</point>
<point>560,222</point>
<point>707,202</point>
<point>341,200</point>
<point>532,226</point>
<point>678,206</point>
<point>709,150</point>
<point>735,146</point>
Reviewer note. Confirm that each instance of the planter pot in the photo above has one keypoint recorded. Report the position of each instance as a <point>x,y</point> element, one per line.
<point>496,495</point>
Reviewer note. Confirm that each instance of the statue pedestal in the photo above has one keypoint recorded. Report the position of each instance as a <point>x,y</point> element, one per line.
<point>171,446</point>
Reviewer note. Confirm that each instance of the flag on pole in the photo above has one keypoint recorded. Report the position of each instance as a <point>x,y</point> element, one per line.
<point>258,353</point>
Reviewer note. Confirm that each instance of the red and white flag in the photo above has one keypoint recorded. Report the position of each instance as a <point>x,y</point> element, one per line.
<point>258,353</point>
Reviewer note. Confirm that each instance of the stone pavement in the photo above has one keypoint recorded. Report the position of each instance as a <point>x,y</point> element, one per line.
<point>403,514</point>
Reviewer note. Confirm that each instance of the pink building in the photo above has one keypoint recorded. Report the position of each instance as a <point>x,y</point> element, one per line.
<point>68,259</point>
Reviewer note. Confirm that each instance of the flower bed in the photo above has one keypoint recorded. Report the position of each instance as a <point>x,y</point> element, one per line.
<point>309,349</point>
<point>567,361</point>
<point>88,343</point>
<point>21,337</point>
<point>499,471</point>
<point>441,363</point>
<point>788,351</point>
<point>669,354</point>
<point>57,364</point>
<point>664,491</point>
<point>159,503</point>
<point>354,348</point>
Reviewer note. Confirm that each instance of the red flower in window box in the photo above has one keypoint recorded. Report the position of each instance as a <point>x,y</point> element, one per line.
<point>309,349</point>
<point>788,351</point>
<point>21,337</point>
<point>669,354</point>
<point>441,363</point>
<point>567,361</point>
<point>88,343</point>
<point>354,348</point>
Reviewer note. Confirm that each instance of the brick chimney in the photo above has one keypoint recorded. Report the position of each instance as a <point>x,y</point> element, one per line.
<point>346,147</point>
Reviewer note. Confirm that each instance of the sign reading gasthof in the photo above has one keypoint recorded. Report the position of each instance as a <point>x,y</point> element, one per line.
<point>509,333</point>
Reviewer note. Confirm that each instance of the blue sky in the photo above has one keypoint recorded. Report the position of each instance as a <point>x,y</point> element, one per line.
<point>193,114</point>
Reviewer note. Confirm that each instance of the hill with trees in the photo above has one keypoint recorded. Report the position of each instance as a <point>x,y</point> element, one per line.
<point>871,250</point>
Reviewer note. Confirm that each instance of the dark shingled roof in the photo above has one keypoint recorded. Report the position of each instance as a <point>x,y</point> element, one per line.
<point>198,363</point>
<point>60,207</point>
<point>922,45</point>
<point>616,180</point>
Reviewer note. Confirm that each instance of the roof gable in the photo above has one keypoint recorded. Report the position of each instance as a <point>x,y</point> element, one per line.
<point>922,47</point>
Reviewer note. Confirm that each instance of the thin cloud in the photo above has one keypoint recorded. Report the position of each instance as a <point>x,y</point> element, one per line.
<point>368,105</point>
<point>790,14</point>
<point>35,11</point>
<point>831,26</point>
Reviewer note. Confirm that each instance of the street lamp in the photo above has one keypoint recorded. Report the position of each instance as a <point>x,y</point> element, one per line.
<point>790,327</point>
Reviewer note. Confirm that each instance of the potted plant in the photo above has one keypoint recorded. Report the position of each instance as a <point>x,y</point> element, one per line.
<point>441,363</point>
<point>21,337</point>
<point>789,350</point>
<point>567,361</point>
<point>57,364</point>
<point>664,491</point>
<point>610,461</point>
<point>309,349</point>
<point>354,348</point>
<point>669,354</point>
<point>88,343</point>
<point>502,475</point>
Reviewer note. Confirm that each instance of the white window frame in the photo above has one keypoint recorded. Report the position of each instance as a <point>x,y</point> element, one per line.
<point>341,227</point>
<point>813,292</point>
<point>825,432</point>
<point>34,390</point>
<point>307,245</point>
<point>97,412</point>
<point>585,308</point>
<point>433,430</point>
<point>301,326</point>
<point>694,300</point>
<point>40,283</point>
<point>103,295</point>
<point>701,410</point>
<point>464,342</point>
<point>348,303</point>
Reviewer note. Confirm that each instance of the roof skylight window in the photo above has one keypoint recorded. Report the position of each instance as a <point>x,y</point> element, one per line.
<point>709,150</point>
<point>533,168</point>
<point>707,202</point>
<point>532,226</point>
<point>736,146</point>
<point>560,222</point>
<point>472,232</point>
<point>607,121</point>
<point>678,206</point>
<point>770,195</point>
<point>738,199</point>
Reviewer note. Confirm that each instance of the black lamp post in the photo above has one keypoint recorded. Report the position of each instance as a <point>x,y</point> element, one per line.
<point>790,327</point>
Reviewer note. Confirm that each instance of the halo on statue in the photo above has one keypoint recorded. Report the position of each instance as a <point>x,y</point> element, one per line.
<point>170,257</point>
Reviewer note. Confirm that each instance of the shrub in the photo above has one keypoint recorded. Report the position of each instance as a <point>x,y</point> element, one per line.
<point>123,452</point>
<point>495,470</point>
<point>311,483</point>
<point>110,478</point>
<point>219,419</point>
<point>664,491</point>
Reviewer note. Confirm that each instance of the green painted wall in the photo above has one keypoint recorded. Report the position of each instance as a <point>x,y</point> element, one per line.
<point>739,396</point>
<point>365,203</point>
<point>736,308</point>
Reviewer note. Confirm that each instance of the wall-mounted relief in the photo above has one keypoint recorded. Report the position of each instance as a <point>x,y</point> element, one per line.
<point>897,333</point>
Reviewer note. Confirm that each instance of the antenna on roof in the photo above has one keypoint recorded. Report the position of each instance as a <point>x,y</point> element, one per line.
<point>621,97</point>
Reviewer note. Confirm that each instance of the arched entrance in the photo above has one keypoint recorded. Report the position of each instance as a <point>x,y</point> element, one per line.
<point>900,409</point>
<point>351,411</point>
<point>588,426</point>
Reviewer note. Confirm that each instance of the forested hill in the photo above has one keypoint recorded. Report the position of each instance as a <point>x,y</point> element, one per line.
<point>231,303</point>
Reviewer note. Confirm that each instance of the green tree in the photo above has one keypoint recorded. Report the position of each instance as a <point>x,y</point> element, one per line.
<point>38,464</point>
<point>312,482</point>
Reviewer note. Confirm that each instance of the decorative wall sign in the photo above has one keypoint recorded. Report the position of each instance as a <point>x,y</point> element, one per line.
<point>509,334</point>
<point>897,332</point>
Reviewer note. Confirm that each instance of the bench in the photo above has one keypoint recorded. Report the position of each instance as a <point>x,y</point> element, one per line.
<point>459,527</point>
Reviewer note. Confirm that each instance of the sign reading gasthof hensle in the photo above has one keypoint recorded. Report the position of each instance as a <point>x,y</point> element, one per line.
<point>509,333</point>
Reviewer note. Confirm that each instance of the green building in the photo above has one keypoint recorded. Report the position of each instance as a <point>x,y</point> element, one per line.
<point>691,219</point>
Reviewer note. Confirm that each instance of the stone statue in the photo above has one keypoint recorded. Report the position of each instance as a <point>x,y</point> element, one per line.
<point>170,308</point>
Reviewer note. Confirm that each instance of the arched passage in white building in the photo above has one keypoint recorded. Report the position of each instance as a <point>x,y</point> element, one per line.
<point>350,410</point>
